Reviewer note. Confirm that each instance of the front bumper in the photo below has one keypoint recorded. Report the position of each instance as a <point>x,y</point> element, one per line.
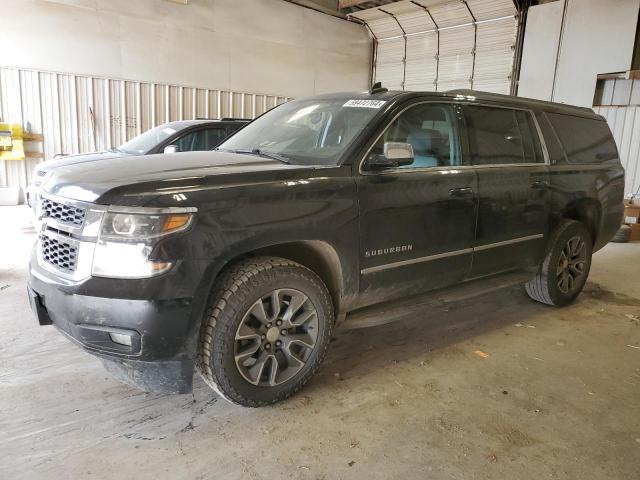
<point>159,358</point>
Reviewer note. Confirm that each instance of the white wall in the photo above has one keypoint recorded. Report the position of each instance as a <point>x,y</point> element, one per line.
<point>255,46</point>
<point>539,51</point>
<point>598,37</point>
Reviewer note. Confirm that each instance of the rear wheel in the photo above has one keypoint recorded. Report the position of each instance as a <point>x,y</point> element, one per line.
<point>266,332</point>
<point>565,269</point>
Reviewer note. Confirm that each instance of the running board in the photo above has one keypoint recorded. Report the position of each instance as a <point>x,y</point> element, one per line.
<point>399,309</point>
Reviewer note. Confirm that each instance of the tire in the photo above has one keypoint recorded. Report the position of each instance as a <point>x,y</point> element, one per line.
<point>623,235</point>
<point>550,285</point>
<point>241,317</point>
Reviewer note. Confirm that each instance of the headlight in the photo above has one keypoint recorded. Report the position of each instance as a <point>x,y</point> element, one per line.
<point>127,239</point>
<point>135,226</point>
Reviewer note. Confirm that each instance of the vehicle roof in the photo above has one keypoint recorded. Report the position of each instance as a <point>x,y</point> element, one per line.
<point>470,95</point>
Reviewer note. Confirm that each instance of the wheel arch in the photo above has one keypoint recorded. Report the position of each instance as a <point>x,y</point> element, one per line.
<point>587,211</point>
<point>318,256</point>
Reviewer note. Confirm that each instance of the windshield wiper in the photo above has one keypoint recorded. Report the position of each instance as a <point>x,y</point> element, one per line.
<point>263,153</point>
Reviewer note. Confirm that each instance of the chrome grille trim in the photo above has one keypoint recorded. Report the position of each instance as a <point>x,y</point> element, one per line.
<point>62,213</point>
<point>60,253</point>
<point>56,235</point>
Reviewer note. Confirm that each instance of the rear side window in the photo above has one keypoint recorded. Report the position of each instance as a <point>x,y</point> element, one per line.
<point>500,136</point>
<point>554,149</point>
<point>530,138</point>
<point>585,140</point>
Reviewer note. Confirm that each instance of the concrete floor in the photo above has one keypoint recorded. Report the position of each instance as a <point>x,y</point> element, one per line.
<point>496,387</point>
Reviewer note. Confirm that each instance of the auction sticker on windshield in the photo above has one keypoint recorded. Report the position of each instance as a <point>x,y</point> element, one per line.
<point>365,103</point>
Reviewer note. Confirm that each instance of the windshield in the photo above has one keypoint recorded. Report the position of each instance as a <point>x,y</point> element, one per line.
<point>308,131</point>
<point>146,141</point>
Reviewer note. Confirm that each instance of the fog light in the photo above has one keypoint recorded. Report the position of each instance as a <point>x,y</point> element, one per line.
<point>120,338</point>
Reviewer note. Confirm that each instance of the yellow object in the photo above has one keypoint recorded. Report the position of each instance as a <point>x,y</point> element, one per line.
<point>11,142</point>
<point>175,221</point>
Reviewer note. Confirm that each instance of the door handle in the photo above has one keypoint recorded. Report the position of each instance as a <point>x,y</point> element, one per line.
<point>461,192</point>
<point>539,184</point>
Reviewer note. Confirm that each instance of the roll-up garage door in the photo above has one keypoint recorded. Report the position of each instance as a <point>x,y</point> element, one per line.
<point>444,44</point>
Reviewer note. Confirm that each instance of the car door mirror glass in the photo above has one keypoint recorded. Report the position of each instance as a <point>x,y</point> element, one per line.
<point>171,149</point>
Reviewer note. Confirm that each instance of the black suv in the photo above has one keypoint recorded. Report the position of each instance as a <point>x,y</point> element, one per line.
<point>179,136</point>
<point>328,209</point>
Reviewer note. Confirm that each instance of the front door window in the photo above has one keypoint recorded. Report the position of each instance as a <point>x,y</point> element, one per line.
<point>430,129</point>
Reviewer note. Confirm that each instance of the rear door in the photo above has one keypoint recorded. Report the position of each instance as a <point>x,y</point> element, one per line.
<point>417,222</point>
<point>513,180</point>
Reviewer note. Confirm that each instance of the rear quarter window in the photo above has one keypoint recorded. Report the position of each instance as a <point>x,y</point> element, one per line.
<point>584,140</point>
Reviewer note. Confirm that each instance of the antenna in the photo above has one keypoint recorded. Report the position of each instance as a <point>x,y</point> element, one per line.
<point>377,88</point>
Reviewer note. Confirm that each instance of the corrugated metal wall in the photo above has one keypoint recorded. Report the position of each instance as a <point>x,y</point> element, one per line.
<point>79,114</point>
<point>443,45</point>
<point>618,100</point>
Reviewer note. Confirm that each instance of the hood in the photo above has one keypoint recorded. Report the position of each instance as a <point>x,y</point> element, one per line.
<point>148,174</point>
<point>74,159</point>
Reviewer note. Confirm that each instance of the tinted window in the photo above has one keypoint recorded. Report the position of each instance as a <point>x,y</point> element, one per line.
<point>585,140</point>
<point>554,149</point>
<point>214,137</point>
<point>500,136</point>
<point>530,137</point>
<point>430,129</point>
<point>190,141</point>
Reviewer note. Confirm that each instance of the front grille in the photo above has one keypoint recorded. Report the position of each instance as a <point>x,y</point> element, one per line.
<point>59,253</point>
<point>65,214</point>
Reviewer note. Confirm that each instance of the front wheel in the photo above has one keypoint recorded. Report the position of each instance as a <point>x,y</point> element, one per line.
<point>266,331</point>
<point>565,269</point>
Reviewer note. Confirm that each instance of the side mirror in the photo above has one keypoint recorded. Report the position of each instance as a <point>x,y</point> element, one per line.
<point>171,149</point>
<point>395,154</point>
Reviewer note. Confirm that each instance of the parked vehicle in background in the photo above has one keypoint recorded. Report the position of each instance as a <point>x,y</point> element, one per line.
<point>328,209</point>
<point>180,136</point>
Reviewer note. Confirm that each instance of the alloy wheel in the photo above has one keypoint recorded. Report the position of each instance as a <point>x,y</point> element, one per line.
<point>276,337</point>
<point>571,264</point>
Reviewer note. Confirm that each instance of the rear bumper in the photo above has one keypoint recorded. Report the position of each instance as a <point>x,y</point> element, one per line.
<point>159,333</point>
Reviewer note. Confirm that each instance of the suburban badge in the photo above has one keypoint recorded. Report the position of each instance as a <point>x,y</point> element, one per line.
<point>387,251</point>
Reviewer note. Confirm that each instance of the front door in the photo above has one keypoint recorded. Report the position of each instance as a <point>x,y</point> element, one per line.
<point>417,222</point>
<point>513,177</point>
